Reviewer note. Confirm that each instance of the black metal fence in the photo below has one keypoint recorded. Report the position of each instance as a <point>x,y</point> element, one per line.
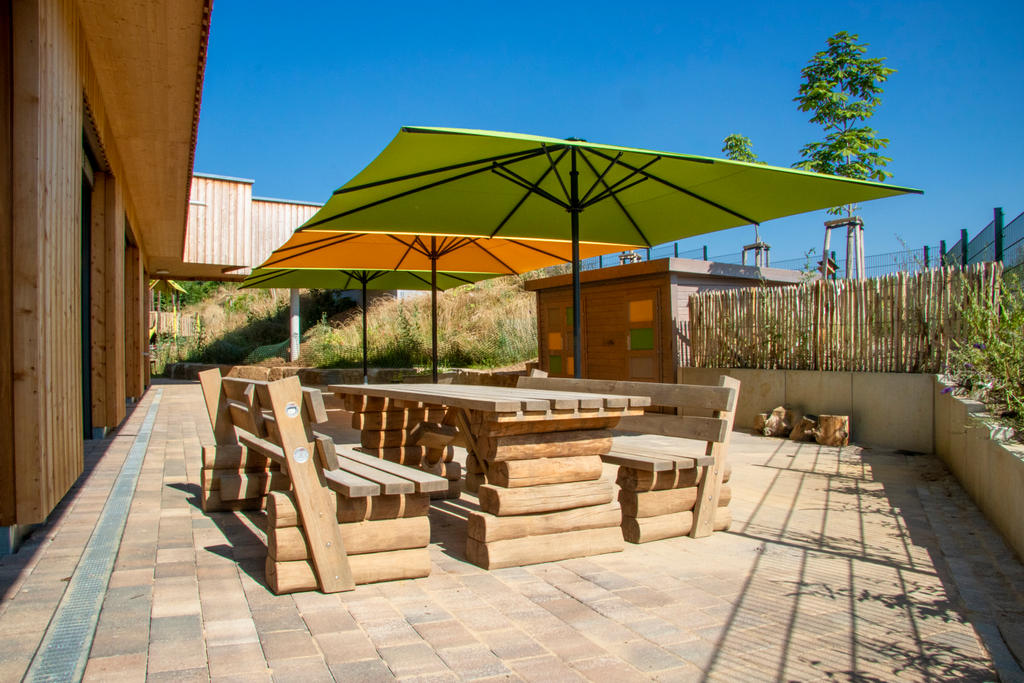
<point>995,242</point>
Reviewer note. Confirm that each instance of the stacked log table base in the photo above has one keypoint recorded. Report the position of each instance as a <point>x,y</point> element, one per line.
<point>657,505</point>
<point>385,538</point>
<point>387,430</point>
<point>544,499</point>
<point>235,478</point>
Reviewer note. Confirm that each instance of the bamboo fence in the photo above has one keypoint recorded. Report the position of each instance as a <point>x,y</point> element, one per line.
<point>897,323</point>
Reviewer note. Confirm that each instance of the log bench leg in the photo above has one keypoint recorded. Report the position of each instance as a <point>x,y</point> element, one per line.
<point>659,505</point>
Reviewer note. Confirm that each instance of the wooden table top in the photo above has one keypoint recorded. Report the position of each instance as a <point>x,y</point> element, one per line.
<point>505,402</point>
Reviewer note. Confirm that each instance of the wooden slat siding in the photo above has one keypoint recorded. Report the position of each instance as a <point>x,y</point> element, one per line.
<point>898,323</point>
<point>98,298</point>
<point>273,223</point>
<point>135,332</point>
<point>219,222</point>
<point>7,502</point>
<point>114,279</point>
<point>46,324</point>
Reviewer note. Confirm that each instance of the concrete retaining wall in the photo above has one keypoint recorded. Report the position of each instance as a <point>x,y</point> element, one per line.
<point>899,411</point>
<point>990,470</point>
<point>893,410</point>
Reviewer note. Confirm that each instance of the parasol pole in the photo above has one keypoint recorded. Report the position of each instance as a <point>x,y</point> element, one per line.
<point>366,372</point>
<point>574,213</point>
<point>433,302</point>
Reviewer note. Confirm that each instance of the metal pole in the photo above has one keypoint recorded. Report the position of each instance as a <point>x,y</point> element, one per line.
<point>293,352</point>
<point>676,245</point>
<point>997,220</point>
<point>963,247</point>
<point>433,302</point>
<point>366,371</point>
<point>574,213</point>
<point>705,252</point>
<point>927,264</point>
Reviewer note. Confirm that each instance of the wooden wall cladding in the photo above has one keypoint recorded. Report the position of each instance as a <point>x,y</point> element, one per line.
<point>7,509</point>
<point>273,222</point>
<point>219,220</point>
<point>46,322</point>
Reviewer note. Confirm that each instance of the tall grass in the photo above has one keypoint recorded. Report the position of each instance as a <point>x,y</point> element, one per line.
<point>491,324</point>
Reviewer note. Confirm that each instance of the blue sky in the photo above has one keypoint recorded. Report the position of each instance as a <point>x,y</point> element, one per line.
<point>300,99</point>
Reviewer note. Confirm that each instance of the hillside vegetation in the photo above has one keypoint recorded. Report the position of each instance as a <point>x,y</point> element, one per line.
<point>487,325</point>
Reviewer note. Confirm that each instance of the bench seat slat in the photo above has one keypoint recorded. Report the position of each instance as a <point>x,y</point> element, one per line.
<point>350,485</point>
<point>390,484</point>
<point>423,481</point>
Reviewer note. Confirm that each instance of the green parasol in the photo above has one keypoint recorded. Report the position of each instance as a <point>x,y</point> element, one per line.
<point>473,182</point>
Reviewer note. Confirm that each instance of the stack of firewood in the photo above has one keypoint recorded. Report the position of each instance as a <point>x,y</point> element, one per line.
<point>827,430</point>
<point>545,499</point>
<point>388,430</point>
<point>234,478</point>
<point>657,505</point>
<point>385,538</point>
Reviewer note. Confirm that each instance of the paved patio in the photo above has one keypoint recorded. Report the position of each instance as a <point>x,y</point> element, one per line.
<point>843,564</point>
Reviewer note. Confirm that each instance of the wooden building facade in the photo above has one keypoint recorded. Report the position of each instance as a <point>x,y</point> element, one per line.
<point>99,104</point>
<point>232,231</point>
<point>633,316</point>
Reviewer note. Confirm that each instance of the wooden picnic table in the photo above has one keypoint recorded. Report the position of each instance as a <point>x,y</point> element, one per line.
<point>534,459</point>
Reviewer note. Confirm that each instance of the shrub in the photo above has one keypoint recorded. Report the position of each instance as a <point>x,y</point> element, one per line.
<point>988,362</point>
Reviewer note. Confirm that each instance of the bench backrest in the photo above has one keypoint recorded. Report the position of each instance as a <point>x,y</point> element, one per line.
<point>277,418</point>
<point>719,401</point>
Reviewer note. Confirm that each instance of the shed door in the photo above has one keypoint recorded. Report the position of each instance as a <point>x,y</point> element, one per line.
<point>623,339</point>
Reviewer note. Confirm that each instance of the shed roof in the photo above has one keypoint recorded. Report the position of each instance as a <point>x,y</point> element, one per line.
<point>681,266</point>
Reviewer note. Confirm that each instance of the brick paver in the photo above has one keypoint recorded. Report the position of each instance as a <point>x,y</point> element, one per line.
<point>840,564</point>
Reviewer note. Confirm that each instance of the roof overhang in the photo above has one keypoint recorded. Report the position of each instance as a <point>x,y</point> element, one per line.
<point>149,59</point>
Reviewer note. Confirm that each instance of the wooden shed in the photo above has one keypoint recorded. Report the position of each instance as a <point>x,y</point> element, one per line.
<point>634,316</point>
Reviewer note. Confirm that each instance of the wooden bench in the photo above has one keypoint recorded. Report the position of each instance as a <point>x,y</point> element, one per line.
<point>335,517</point>
<point>666,487</point>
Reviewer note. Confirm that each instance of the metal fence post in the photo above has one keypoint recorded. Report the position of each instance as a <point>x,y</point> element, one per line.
<point>997,219</point>
<point>963,247</point>
<point>927,264</point>
<point>942,252</point>
<point>676,245</point>
<point>705,252</point>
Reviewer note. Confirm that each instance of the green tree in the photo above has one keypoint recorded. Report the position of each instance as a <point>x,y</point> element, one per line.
<point>842,87</point>
<point>738,148</point>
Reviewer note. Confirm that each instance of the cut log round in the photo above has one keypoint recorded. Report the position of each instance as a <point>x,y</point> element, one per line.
<point>546,498</point>
<point>545,445</point>
<point>779,423</point>
<point>520,473</point>
<point>644,480</point>
<point>516,552</point>
<point>833,430</point>
<point>646,529</point>
<point>395,419</point>
<point>293,577</point>
<point>403,455</point>
<point>803,429</point>
<point>485,527</point>
<point>286,544</point>
<point>656,503</point>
